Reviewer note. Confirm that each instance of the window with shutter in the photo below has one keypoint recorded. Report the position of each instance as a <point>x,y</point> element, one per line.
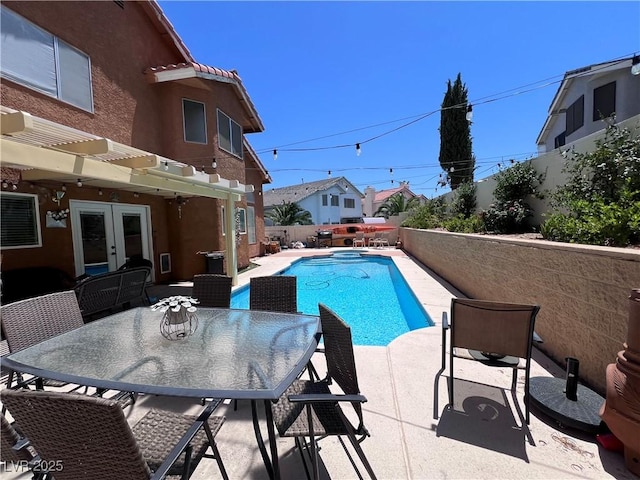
<point>54,67</point>
<point>19,221</point>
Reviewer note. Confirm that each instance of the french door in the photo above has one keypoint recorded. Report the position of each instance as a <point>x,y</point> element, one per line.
<point>106,235</point>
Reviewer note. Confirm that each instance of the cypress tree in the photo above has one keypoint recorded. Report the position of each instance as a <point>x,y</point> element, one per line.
<point>456,158</point>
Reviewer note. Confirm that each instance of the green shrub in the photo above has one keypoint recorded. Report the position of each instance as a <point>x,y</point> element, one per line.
<point>509,213</point>
<point>427,215</point>
<point>600,203</point>
<point>507,217</point>
<point>462,224</point>
<point>464,200</point>
<point>596,222</point>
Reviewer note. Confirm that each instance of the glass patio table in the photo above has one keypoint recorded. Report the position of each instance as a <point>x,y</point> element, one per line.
<point>235,354</point>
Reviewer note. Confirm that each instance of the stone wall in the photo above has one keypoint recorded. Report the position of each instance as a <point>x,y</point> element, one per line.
<point>583,290</point>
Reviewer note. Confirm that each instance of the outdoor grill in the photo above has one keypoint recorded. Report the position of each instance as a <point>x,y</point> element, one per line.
<point>325,238</point>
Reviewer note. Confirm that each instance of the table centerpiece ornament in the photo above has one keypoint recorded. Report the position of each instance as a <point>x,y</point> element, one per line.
<point>179,319</point>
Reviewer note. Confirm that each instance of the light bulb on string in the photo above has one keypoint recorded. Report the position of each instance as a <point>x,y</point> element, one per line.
<point>329,173</point>
<point>79,183</point>
<point>166,166</point>
<point>275,154</point>
<point>358,151</point>
<point>214,164</point>
<point>469,115</point>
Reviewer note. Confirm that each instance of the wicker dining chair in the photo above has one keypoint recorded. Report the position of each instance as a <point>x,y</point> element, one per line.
<point>33,320</point>
<point>496,334</point>
<point>82,437</point>
<point>306,399</point>
<point>30,321</point>
<point>212,290</point>
<point>276,293</point>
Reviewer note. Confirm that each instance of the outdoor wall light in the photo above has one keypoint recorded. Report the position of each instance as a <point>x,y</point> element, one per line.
<point>57,196</point>
<point>635,65</point>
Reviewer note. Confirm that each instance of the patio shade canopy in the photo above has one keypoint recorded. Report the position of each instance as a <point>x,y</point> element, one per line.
<point>45,150</point>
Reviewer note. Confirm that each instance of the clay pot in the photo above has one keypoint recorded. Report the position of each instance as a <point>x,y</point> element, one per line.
<point>621,410</point>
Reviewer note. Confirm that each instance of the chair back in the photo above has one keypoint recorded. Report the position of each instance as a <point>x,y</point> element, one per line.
<point>212,290</point>
<point>338,347</point>
<point>88,437</point>
<point>33,320</point>
<point>505,328</point>
<point>276,293</point>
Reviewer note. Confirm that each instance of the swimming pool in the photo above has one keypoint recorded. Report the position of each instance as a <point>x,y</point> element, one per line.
<point>368,292</point>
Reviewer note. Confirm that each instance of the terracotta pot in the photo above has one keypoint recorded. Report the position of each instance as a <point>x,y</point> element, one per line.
<point>621,410</point>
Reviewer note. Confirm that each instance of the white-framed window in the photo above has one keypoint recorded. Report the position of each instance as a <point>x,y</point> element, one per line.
<point>251,224</point>
<point>349,203</point>
<point>19,221</point>
<point>229,135</point>
<point>195,121</point>
<point>41,61</point>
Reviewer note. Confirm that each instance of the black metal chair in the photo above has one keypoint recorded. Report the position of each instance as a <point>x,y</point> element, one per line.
<point>212,290</point>
<point>496,334</point>
<point>308,399</point>
<point>80,437</point>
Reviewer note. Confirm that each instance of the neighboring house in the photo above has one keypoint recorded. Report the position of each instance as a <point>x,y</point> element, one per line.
<point>108,120</point>
<point>334,200</point>
<point>374,200</point>
<point>586,96</point>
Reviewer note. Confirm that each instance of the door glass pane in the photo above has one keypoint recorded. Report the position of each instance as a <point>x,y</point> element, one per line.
<point>94,243</point>
<point>132,228</point>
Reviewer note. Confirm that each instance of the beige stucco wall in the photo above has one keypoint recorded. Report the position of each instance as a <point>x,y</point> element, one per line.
<point>582,290</point>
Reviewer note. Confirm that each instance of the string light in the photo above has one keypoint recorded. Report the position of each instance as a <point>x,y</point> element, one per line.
<point>166,166</point>
<point>214,164</point>
<point>488,99</point>
<point>100,192</point>
<point>469,115</point>
<point>275,154</point>
<point>358,151</point>
<point>79,183</point>
<point>329,173</point>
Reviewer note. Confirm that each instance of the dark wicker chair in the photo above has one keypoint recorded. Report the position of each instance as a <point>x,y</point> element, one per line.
<point>496,334</point>
<point>212,290</point>
<point>89,437</point>
<point>33,320</point>
<point>103,292</point>
<point>276,293</point>
<point>307,398</point>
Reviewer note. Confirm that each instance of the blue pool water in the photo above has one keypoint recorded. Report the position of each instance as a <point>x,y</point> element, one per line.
<point>368,292</point>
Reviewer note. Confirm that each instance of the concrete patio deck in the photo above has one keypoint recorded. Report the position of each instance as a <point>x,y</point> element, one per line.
<point>481,438</point>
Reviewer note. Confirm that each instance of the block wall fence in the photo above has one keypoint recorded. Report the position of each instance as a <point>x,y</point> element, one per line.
<point>583,291</point>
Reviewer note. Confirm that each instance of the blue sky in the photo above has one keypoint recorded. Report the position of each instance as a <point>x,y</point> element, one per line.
<point>317,70</point>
